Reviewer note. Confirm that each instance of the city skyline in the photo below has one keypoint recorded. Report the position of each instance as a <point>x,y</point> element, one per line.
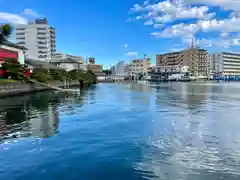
<point>114,31</point>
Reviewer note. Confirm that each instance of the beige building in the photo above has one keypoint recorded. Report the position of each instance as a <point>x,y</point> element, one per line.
<point>141,66</point>
<point>96,68</point>
<point>195,59</point>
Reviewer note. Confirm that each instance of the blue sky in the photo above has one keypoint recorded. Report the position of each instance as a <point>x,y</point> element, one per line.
<point>116,30</point>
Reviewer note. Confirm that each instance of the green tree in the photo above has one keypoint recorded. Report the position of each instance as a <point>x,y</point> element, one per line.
<point>14,69</point>
<point>107,72</point>
<point>60,75</point>
<point>73,74</point>
<point>5,32</point>
<point>41,75</point>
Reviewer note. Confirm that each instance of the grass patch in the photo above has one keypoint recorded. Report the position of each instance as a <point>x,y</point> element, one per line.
<point>6,81</point>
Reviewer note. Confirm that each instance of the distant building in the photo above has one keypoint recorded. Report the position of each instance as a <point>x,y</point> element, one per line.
<point>10,50</point>
<point>69,56</point>
<point>113,71</point>
<point>39,38</point>
<point>33,63</point>
<point>101,76</point>
<point>196,59</point>
<point>225,63</point>
<point>95,67</point>
<point>69,64</point>
<point>127,70</point>
<point>119,70</point>
<point>141,66</point>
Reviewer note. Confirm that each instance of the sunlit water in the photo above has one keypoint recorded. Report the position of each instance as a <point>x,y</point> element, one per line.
<point>175,131</point>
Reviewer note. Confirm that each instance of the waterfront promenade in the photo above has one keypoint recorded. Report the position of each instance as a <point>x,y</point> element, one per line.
<point>123,131</point>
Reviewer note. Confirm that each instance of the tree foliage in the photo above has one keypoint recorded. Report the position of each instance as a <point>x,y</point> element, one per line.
<point>5,32</point>
<point>14,69</point>
<point>60,75</point>
<point>41,75</point>
<point>107,72</point>
<point>88,76</point>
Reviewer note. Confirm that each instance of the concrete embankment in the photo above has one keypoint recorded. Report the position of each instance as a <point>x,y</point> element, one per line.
<point>17,88</point>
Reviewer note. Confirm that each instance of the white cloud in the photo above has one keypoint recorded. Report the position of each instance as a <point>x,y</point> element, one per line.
<point>131,54</point>
<point>21,18</point>
<point>168,11</point>
<point>12,18</point>
<point>149,22</point>
<point>138,17</point>
<point>125,45</point>
<point>156,26</point>
<point>30,12</point>
<point>136,7</point>
<point>177,30</point>
<point>220,42</point>
<point>225,26</point>
<point>224,35</point>
<point>226,4</point>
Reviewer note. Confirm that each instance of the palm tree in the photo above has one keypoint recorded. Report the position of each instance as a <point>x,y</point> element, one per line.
<point>5,32</point>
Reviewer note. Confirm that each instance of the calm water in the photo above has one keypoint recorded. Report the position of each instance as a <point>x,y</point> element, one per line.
<point>178,131</point>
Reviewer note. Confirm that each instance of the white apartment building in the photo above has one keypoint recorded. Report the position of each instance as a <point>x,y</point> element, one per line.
<point>39,38</point>
<point>127,70</point>
<point>225,63</point>
<point>118,70</point>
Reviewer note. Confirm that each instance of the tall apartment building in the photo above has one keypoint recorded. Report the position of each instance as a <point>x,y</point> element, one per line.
<point>195,59</point>
<point>141,66</point>
<point>225,63</point>
<point>39,38</point>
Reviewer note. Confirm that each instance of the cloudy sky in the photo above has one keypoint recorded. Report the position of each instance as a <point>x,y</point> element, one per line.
<point>122,29</point>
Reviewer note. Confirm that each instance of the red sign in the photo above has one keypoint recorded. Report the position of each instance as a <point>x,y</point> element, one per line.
<point>8,54</point>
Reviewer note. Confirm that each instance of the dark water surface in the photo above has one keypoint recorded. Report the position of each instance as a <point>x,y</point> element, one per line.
<point>178,131</point>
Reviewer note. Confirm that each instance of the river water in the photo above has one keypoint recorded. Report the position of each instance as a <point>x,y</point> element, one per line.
<point>175,131</point>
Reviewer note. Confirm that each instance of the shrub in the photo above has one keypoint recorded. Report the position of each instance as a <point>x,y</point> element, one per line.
<point>41,75</point>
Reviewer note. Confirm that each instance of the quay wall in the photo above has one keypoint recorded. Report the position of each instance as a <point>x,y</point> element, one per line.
<point>17,88</point>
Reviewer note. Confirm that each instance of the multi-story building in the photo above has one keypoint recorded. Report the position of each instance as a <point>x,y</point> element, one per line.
<point>69,62</point>
<point>118,70</point>
<point>140,66</point>
<point>69,56</point>
<point>225,63</point>
<point>96,68</point>
<point>127,70</point>
<point>39,38</point>
<point>195,59</point>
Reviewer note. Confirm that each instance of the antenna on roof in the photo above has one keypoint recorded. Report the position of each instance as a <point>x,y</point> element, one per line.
<point>193,43</point>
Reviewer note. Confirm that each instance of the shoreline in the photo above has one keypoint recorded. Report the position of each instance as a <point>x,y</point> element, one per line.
<point>17,88</point>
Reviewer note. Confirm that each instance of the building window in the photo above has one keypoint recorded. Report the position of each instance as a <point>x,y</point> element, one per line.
<point>20,29</point>
<point>19,34</point>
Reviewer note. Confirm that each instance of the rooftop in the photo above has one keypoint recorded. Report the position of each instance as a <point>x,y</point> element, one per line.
<point>40,64</point>
<point>10,44</point>
<point>64,60</point>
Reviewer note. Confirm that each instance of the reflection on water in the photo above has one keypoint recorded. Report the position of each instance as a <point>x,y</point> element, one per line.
<point>31,115</point>
<point>170,131</point>
<point>198,136</point>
